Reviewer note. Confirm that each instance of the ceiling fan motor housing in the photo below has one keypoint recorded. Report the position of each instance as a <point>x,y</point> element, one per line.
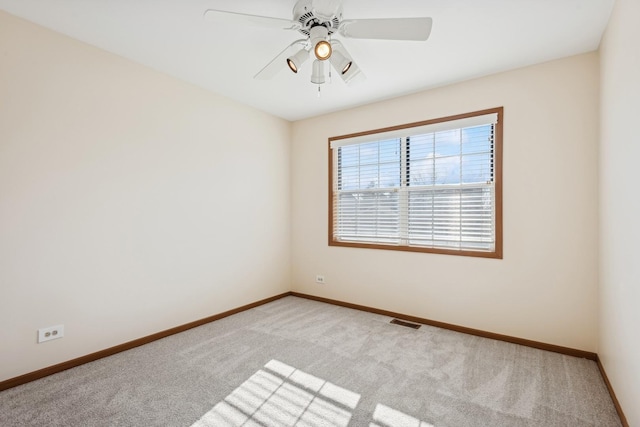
<point>308,17</point>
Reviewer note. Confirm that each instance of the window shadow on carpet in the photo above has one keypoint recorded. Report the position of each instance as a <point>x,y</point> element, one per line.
<point>281,395</point>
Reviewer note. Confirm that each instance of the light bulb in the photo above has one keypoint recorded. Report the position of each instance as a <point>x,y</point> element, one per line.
<point>322,50</point>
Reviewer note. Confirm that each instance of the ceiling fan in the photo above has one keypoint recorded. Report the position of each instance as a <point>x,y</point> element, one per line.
<point>319,21</point>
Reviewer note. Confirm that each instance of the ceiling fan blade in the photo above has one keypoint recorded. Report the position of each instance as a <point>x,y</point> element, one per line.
<point>280,61</point>
<point>242,18</point>
<point>417,29</point>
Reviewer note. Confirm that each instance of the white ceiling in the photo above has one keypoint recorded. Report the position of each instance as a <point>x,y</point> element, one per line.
<point>470,38</point>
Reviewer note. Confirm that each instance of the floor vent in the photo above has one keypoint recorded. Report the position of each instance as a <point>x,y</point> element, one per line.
<point>403,323</point>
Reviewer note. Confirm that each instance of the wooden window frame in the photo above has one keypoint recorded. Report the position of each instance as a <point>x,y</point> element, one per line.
<point>497,253</point>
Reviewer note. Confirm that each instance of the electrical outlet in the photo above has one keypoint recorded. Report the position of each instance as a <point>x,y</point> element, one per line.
<point>50,333</point>
<point>320,279</point>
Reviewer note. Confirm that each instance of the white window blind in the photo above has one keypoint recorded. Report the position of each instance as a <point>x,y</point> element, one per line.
<point>430,186</point>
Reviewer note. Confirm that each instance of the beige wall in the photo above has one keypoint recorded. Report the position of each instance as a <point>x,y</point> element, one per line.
<point>545,288</point>
<point>619,346</point>
<point>127,200</point>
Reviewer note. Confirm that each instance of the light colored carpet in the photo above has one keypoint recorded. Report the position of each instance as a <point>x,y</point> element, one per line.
<point>301,362</point>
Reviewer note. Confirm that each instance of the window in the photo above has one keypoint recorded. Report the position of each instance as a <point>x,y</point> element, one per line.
<point>433,186</point>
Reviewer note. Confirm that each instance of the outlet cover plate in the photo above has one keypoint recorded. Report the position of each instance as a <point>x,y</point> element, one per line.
<point>50,333</point>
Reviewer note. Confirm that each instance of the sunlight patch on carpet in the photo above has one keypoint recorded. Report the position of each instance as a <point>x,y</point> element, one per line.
<point>383,416</point>
<point>281,395</point>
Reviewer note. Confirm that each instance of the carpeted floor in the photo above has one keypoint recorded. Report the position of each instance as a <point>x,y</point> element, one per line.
<point>301,362</point>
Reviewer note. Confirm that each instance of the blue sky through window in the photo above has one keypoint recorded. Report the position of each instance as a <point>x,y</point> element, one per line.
<point>459,156</point>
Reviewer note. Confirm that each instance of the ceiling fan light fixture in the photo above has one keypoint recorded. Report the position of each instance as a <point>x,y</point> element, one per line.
<point>341,62</point>
<point>295,61</point>
<point>319,37</point>
<point>317,75</point>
